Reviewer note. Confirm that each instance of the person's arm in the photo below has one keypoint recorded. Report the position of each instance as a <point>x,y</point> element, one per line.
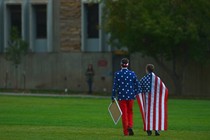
<point>114,88</point>
<point>136,85</point>
<point>141,87</point>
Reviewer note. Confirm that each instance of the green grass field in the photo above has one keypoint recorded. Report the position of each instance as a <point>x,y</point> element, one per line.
<point>68,118</point>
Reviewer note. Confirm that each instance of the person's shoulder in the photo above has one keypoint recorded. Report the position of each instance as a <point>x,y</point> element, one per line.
<point>145,76</point>
<point>117,72</point>
<point>133,72</point>
<point>149,75</point>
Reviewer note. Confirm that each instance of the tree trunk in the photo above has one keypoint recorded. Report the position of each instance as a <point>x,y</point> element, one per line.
<point>178,85</point>
<point>16,77</point>
<point>177,78</point>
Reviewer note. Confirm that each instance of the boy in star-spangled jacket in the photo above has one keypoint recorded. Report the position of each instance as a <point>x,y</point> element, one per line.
<point>125,88</point>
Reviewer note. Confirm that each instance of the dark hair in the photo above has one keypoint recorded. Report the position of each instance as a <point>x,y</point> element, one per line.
<point>124,62</point>
<point>150,68</point>
<point>90,67</point>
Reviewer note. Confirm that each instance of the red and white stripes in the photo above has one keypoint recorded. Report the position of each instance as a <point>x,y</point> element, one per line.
<point>153,106</point>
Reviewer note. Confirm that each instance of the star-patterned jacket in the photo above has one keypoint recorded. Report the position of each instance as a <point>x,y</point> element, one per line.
<point>125,85</point>
<point>146,83</point>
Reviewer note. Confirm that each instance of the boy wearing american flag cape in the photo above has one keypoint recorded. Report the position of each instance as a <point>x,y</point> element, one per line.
<point>152,101</point>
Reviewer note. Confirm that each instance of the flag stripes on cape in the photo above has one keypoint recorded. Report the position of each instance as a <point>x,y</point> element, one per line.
<point>152,102</point>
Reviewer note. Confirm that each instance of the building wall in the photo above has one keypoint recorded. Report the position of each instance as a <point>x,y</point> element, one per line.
<point>58,71</point>
<point>1,26</point>
<point>67,70</point>
<point>56,26</point>
<point>28,25</point>
<point>70,25</point>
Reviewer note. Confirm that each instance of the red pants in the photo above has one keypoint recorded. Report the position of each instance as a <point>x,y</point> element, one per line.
<point>126,107</point>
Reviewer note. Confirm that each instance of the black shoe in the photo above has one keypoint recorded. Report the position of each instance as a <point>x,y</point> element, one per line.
<point>157,133</point>
<point>130,131</point>
<point>149,133</point>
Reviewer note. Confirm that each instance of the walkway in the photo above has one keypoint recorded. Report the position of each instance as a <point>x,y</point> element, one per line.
<point>52,95</point>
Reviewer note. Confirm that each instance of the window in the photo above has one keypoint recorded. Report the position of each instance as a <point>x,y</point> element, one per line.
<point>41,21</point>
<point>15,17</point>
<point>92,20</point>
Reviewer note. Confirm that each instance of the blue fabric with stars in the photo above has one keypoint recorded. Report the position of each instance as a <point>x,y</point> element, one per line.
<point>126,85</point>
<point>146,83</point>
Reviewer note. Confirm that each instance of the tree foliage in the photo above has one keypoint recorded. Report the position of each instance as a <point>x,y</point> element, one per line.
<point>16,47</point>
<point>174,30</point>
<point>170,29</point>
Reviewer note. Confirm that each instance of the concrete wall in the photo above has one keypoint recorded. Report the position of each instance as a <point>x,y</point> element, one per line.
<point>58,71</point>
<point>1,26</point>
<point>67,70</point>
<point>195,81</point>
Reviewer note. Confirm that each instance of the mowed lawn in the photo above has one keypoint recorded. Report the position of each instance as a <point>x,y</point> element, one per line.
<point>71,118</point>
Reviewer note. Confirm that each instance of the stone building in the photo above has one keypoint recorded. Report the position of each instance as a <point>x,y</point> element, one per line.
<point>64,36</point>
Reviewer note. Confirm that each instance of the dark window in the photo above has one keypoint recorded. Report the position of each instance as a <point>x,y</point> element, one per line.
<point>92,20</point>
<point>15,17</point>
<point>41,21</point>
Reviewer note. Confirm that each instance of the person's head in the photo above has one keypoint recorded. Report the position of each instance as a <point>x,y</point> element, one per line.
<point>124,63</point>
<point>150,68</point>
<point>90,66</point>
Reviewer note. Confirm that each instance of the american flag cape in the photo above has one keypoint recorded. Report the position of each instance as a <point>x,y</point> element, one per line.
<point>152,101</point>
